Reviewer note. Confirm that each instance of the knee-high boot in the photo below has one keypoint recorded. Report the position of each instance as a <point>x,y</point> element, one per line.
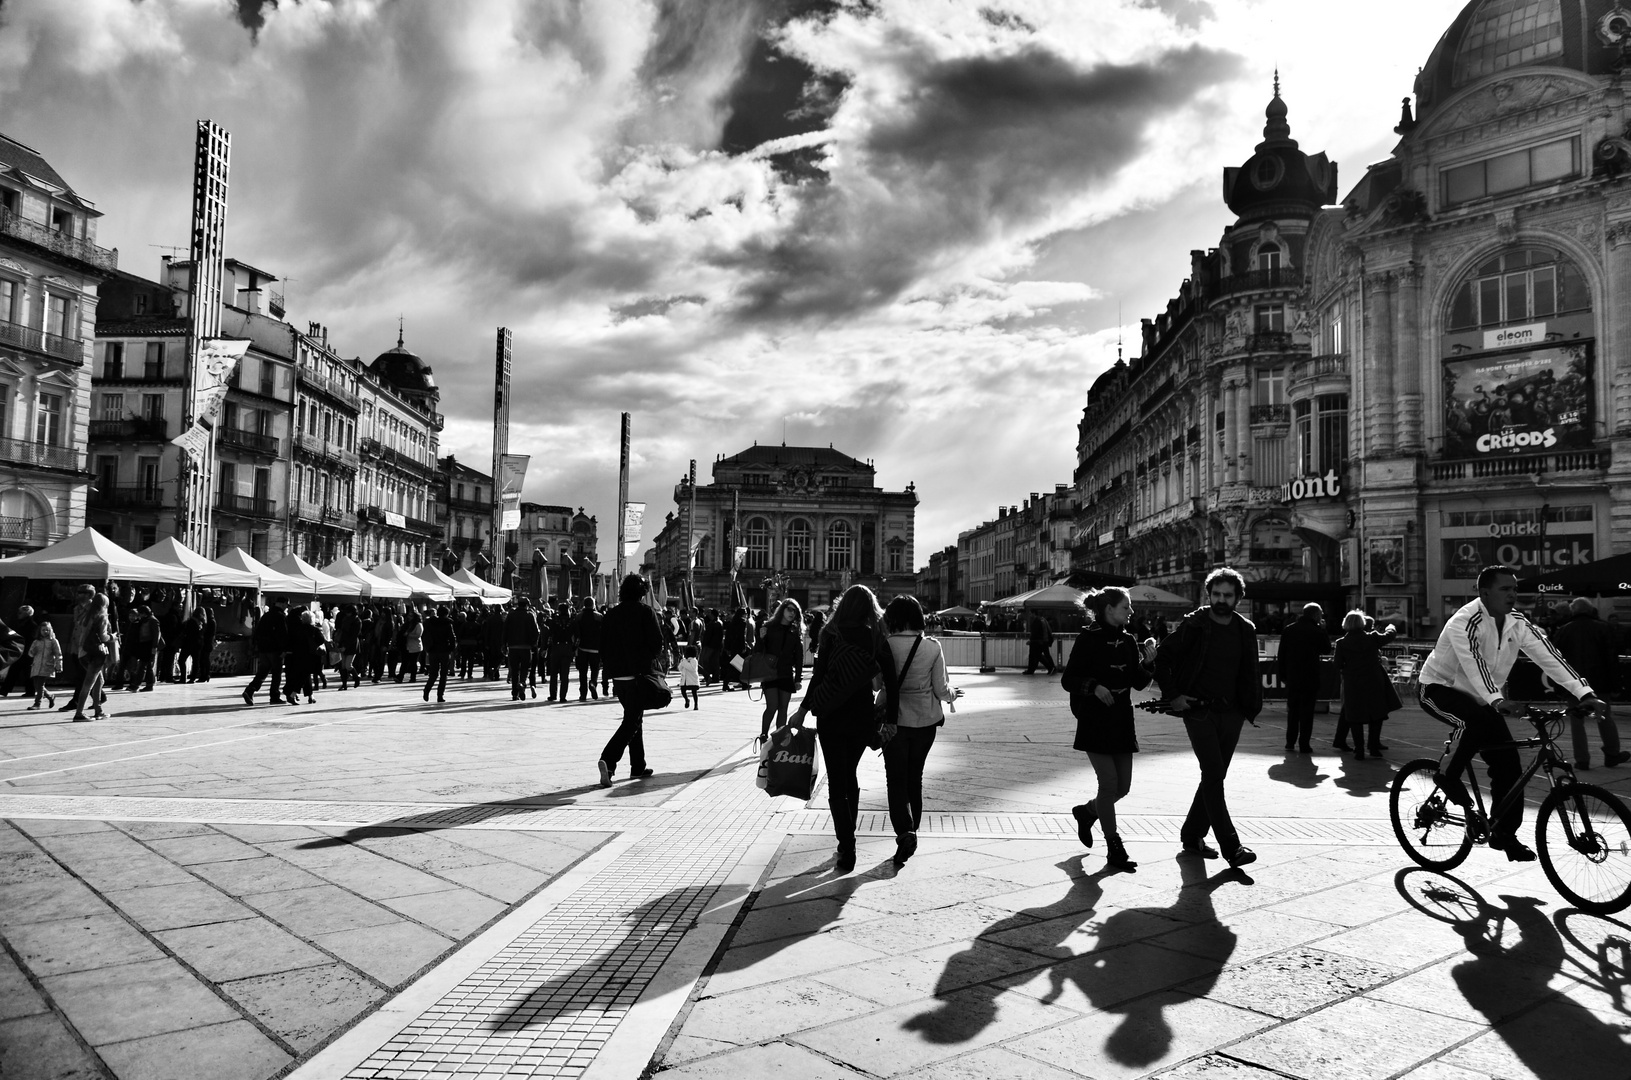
<point>844,812</point>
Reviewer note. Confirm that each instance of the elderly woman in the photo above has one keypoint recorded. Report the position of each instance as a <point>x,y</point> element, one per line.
<point>1367,692</point>
<point>784,640</point>
<point>917,691</point>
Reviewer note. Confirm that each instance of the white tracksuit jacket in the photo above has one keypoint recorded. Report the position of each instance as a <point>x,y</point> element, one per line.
<point>1472,656</point>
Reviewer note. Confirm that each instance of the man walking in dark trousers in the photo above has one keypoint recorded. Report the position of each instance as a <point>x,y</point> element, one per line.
<point>1587,643</point>
<point>1301,647</point>
<point>586,631</point>
<point>440,642</point>
<point>1041,644</point>
<point>521,639</point>
<point>1208,668</point>
<point>271,641</point>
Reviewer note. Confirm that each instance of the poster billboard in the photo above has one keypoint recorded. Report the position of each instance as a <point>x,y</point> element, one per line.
<point>1384,560</point>
<point>1519,402</point>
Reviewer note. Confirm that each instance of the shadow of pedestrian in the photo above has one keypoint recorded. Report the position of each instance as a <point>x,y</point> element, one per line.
<point>1515,949</point>
<point>1362,779</point>
<point>486,813</point>
<point>1143,1036</point>
<point>1298,770</point>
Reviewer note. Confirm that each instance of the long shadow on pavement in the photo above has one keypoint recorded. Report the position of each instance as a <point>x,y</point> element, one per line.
<point>1298,770</point>
<point>1513,949</point>
<point>1143,1036</point>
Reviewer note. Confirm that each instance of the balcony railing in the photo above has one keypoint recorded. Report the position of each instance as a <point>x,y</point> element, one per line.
<point>253,441</point>
<point>27,337</point>
<point>470,504</point>
<point>1269,341</point>
<point>245,505</point>
<point>316,445</point>
<point>465,543</point>
<point>1565,461</point>
<point>128,497</point>
<point>133,429</point>
<point>16,528</point>
<point>328,386</point>
<point>23,452</point>
<point>1280,278</point>
<point>1334,365</point>
<point>1271,414</point>
<point>138,378</point>
<point>420,525</point>
<point>14,224</point>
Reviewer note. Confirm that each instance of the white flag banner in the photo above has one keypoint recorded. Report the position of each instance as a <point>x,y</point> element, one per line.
<point>513,476</point>
<point>633,514</point>
<point>195,441</point>
<point>631,548</point>
<point>217,359</point>
<point>511,519</point>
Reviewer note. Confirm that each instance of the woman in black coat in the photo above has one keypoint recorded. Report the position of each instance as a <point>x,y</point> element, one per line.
<point>1367,692</point>
<point>783,639</point>
<point>1105,667</point>
<point>850,660</point>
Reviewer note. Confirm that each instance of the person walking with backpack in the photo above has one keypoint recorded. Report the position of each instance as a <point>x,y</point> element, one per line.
<point>1106,665</point>
<point>586,631</point>
<point>270,639</point>
<point>521,639</point>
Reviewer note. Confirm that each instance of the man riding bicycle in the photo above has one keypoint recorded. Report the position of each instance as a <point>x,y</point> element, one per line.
<point>1461,685</point>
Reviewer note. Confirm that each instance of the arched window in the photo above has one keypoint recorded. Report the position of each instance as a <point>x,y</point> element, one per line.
<point>1268,257</point>
<point>840,546</point>
<point>796,554</point>
<point>1518,286</point>
<point>756,538</point>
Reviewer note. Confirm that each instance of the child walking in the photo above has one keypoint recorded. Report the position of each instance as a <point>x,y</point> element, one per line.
<point>690,678</point>
<point>45,662</point>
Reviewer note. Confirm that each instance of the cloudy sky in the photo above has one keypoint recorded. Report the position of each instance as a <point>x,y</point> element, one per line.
<point>912,229</point>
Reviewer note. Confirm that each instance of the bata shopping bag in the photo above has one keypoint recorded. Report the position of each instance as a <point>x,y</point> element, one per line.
<point>791,768</point>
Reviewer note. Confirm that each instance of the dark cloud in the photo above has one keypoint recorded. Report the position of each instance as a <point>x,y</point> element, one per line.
<point>980,146</point>
<point>779,95</point>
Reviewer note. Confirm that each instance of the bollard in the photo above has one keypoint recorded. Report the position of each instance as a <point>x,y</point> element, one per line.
<point>985,667</point>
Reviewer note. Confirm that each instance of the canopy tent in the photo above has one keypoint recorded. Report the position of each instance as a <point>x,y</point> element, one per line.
<point>419,588</point>
<point>271,580</point>
<point>321,585</point>
<point>173,552</point>
<point>1146,595</point>
<point>1049,596</point>
<point>490,593</point>
<point>89,556</point>
<point>958,612</point>
<point>436,579</point>
<point>1605,577</point>
<point>346,568</point>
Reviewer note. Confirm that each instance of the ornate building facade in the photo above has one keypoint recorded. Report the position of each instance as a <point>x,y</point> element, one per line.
<point>811,522</point>
<point>398,428</point>
<point>323,478</point>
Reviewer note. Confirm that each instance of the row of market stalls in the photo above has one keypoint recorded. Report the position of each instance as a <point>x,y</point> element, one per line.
<point>89,556</point>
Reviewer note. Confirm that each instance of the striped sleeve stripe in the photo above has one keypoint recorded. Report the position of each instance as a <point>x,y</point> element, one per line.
<point>1478,654</point>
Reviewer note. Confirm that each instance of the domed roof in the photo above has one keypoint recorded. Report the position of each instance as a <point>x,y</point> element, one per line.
<point>1490,37</point>
<point>404,369</point>
<point>1279,175</point>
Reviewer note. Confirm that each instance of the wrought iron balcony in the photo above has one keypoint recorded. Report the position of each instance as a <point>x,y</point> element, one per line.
<point>1271,414</point>
<point>1279,278</point>
<point>245,505</point>
<point>138,378</point>
<point>14,224</point>
<point>1333,365</point>
<point>132,429</point>
<point>22,452</point>
<point>28,337</point>
<point>253,441</point>
<point>128,497</point>
<point>332,513</point>
<point>1268,341</point>
<point>16,528</point>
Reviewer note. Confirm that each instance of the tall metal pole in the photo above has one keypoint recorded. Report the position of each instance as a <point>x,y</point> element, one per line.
<point>690,540</point>
<point>211,157</point>
<point>622,501</point>
<point>501,446</point>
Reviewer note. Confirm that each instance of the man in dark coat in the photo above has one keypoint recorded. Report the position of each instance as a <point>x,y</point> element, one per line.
<point>736,642</point>
<point>631,642</point>
<point>169,642</point>
<point>1587,643</point>
<point>1041,643</point>
<point>586,632</point>
<point>521,639</point>
<point>270,640</point>
<point>440,643</point>
<point>1301,647</point>
<point>1208,668</point>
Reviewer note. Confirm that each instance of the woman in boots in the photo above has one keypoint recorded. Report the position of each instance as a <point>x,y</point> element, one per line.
<point>1105,667</point>
<point>1367,692</point>
<point>850,659</point>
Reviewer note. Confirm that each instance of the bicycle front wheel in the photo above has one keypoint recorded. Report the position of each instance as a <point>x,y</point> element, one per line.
<point>1431,829</point>
<point>1583,836</point>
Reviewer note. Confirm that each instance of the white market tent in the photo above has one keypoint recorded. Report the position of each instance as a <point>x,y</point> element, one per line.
<point>89,556</point>
<point>420,588</point>
<point>271,580</point>
<point>320,585</point>
<point>490,593</point>
<point>346,568</point>
<point>173,552</point>
<point>435,577</point>
<point>1149,594</point>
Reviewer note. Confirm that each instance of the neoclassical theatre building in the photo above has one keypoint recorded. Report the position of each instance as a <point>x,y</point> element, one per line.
<point>1362,403</point>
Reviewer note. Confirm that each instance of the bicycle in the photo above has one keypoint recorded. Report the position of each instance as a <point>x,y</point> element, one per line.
<point>1582,832</point>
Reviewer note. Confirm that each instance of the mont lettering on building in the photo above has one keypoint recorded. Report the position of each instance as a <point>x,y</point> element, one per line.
<point>811,521</point>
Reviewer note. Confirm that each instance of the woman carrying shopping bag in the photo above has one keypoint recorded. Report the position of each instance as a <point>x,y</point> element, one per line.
<point>783,645</point>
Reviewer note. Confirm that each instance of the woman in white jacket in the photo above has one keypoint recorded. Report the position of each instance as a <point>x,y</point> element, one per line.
<point>916,690</point>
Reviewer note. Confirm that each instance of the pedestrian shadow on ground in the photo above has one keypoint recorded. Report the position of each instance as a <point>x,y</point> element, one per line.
<point>1362,779</point>
<point>1298,770</point>
<point>967,1005</point>
<point>1513,950</point>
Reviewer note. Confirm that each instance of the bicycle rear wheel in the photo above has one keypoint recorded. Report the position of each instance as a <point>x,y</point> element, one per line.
<point>1431,829</point>
<point>1583,835</point>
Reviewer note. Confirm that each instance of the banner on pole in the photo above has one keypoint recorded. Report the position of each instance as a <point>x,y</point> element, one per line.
<point>634,514</point>
<point>631,548</point>
<point>511,517</point>
<point>513,470</point>
<point>212,375</point>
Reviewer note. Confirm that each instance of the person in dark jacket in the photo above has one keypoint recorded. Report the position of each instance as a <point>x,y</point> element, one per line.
<point>850,660</point>
<point>783,639</point>
<point>713,644</point>
<point>1106,665</point>
<point>1301,647</point>
<point>386,626</point>
<point>440,643</point>
<point>631,645</point>
<point>169,642</point>
<point>1041,645</point>
<point>558,660</point>
<point>737,640</point>
<point>492,642</point>
<point>467,632</point>
<point>586,631</point>
<point>348,639</point>
<point>142,645</point>
<point>1587,643</point>
<point>1208,668</point>
<point>521,640</point>
<point>1367,692</point>
<point>270,639</point>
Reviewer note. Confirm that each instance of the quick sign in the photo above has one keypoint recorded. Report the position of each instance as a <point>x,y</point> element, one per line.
<point>1328,486</point>
<point>1512,336</point>
<point>1463,558</point>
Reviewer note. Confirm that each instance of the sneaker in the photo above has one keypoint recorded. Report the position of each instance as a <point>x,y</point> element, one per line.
<point>605,774</point>
<point>1199,850</point>
<point>1241,856</point>
<point>1516,850</point>
<point>1618,757</point>
<point>1453,789</point>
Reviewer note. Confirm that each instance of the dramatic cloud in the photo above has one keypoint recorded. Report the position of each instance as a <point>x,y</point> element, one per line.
<point>900,226</point>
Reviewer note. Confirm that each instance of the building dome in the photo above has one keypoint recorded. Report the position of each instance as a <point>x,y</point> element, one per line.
<point>1279,175</point>
<point>1491,37</point>
<point>403,369</point>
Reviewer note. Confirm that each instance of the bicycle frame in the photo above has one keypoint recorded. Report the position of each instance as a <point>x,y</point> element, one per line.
<point>1548,758</point>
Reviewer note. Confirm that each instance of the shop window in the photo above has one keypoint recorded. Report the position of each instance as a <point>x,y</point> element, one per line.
<point>1515,171</point>
<point>1518,286</point>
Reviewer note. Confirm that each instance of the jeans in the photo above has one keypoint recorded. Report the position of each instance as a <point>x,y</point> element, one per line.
<point>436,667</point>
<point>1212,736</point>
<point>267,663</point>
<point>904,756</point>
<point>588,673</point>
<point>520,664</point>
<point>1300,697</point>
<point>842,751</point>
<point>630,734</point>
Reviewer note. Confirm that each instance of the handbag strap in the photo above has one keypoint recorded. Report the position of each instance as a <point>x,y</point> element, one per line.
<point>900,676</point>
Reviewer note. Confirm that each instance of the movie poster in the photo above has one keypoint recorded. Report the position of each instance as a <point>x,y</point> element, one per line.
<point>1518,403</point>
<point>1384,560</point>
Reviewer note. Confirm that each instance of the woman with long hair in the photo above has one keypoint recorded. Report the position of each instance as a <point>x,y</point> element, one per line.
<point>93,658</point>
<point>783,639</point>
<point>917,692</point>
<point>849,659</point>
<point>1106,665</point>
